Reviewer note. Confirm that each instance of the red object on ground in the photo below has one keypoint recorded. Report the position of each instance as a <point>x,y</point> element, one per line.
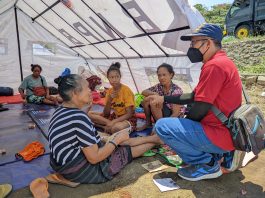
<point>95,96</point>
<point>100,101</point>
<point>31,151</point>
<point>11,99</point>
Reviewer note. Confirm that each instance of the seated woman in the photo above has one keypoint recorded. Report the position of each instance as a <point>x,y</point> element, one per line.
<point>36,88</point>
<point>165,87</point>
<point>77,152</point>
<point>120,98</point>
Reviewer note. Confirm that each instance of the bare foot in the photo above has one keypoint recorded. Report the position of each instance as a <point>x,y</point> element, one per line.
<point>157,139</point>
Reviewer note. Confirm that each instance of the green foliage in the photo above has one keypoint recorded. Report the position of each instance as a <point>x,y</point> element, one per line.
<point>214,15</point>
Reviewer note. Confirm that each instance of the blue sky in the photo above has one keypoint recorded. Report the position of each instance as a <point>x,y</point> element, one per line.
<point>209,3</point>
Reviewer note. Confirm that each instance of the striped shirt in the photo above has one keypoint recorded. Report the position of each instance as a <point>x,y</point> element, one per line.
<point>70,130</point>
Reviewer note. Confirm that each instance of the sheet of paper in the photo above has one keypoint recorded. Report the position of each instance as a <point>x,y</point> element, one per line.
<point>154,166</point>
<point>166,184</point>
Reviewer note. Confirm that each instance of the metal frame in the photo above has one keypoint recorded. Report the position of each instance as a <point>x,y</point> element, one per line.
<point>112,29</point>
<point>76,31</point>
<point>18,45</point>
<point>47,9</point>
<point>52,33</point>
<point>129,14</point>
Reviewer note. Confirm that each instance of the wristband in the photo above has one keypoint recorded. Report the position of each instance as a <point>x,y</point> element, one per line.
<point>113,143</point>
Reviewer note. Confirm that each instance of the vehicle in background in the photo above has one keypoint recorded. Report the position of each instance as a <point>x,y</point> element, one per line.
<point>244,18</point>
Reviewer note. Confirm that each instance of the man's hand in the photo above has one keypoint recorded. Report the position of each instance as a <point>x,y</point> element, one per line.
<point>156,100</point>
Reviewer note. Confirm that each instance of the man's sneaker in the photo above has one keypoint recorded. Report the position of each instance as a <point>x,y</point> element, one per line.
<point>233,160</point>
<point>200,171</point>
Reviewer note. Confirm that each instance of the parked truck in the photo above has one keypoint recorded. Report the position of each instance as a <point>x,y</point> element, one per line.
<point>245,17</point>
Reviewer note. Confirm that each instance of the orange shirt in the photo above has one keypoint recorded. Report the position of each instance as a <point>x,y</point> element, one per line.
<point>124,99</point>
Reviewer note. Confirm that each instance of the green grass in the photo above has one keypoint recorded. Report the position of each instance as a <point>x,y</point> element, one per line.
<point>229,39</point>
<point>254,69</point>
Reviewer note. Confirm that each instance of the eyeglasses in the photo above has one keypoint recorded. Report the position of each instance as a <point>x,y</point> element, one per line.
<point>194,41</point>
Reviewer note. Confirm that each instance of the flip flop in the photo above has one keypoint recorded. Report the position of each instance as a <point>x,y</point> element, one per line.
<point>31,151</point>
<point>56,178</point>
<point>5,189</point>
<point>149,153</point>
<point>39,188</point>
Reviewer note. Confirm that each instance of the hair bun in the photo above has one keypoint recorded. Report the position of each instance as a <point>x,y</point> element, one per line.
<point>117,65</point>
<point>58,80</point>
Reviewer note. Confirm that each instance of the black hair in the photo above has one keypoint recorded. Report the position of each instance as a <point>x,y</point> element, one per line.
<point>217,44</point>
<point>33,66</point>
<point>67,84</point>
<point>114,67</point>
<point>168,67</point>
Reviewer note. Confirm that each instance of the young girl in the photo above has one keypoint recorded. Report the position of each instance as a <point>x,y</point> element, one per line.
<point>120,99</point>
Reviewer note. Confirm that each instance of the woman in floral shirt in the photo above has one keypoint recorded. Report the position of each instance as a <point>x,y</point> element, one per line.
<point>165,87</point>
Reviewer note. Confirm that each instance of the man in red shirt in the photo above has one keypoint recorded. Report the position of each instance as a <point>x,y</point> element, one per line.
<point>200,139</point>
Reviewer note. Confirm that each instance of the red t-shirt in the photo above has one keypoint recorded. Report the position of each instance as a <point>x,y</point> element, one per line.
<point>220,85</point>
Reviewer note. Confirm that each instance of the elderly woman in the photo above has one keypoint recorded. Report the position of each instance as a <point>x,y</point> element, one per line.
<point>36,88</point>
<point>77,152</point>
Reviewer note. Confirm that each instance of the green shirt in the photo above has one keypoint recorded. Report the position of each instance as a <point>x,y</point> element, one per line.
<point>30,82</point>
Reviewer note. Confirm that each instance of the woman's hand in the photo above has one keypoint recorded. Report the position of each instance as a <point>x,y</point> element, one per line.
<point>119,137</point>
<point>109,126</point>
<point>156,100</point>
<point>23,96</point>
<point>48,97</point>
<point>114,94</point>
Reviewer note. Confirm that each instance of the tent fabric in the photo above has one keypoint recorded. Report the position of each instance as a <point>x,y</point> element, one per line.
<point>95,33</point>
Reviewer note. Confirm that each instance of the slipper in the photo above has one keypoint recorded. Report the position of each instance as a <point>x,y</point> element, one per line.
<point>5,189</point>
<point>169,156</point>
<point>31,151</point>
<point>56,178</point>
<point>39,188</point>
<point>149,153</point>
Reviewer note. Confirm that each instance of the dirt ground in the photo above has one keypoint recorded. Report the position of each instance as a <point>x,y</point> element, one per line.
<point>136,182</point>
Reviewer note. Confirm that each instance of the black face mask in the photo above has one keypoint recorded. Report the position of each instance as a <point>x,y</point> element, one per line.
<point>195,54</point>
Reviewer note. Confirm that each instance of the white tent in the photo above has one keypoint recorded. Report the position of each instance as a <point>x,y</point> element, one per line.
<point>140,34</point>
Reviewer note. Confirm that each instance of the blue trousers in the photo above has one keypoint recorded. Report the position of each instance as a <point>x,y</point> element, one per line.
<point>187,138</point>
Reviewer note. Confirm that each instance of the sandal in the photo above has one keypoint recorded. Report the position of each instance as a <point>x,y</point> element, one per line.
<point>39,188</point>
<point>31,151</point>
<point>5,190</point>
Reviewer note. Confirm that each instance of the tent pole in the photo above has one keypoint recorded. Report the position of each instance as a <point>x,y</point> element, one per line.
<point>132,75</point>
<point>18,45</point>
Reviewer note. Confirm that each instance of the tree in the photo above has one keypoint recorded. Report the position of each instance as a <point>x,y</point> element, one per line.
<point>214,15</point>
